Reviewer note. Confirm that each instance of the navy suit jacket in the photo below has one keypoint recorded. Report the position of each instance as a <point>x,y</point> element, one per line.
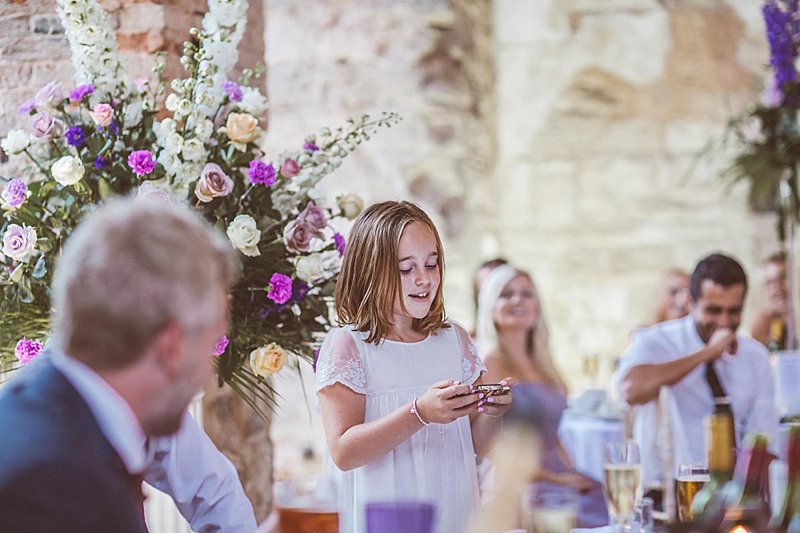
<point>58,473</point>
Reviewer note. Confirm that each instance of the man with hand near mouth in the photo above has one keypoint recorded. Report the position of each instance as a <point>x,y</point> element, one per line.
<point>699,357</point>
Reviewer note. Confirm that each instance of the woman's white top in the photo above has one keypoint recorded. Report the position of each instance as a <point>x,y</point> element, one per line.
<point>437,464</point>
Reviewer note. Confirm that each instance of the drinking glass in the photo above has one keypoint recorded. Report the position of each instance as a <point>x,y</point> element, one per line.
<point>550,510</point>
<point>691,478</point>
<point>643,515</point>
<point>623,482</point>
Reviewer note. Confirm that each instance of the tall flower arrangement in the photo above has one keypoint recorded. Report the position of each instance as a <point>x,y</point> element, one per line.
<point>103,138</point>
<point>767,137</point>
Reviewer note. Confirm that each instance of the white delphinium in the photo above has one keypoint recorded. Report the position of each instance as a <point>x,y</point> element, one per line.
<point>93,47</point>
<point>224,25</point>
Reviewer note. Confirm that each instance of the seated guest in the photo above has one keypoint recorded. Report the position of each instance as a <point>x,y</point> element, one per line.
<point>140,293</point>
<point>512,338</point>
<point>477,282</point>
<point>674,299</point>
<point>769,324</point>
<point>699,357</point>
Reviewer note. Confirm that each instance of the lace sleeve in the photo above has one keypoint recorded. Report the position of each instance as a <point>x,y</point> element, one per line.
<point>471,364</point>
<point>340,362</point>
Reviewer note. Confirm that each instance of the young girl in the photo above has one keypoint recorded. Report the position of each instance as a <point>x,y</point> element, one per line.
<point>512,336</point>
<point>395,382</point>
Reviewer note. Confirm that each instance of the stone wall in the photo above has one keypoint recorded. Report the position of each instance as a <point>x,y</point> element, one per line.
<point>432,62</point>
<point>602,108</point>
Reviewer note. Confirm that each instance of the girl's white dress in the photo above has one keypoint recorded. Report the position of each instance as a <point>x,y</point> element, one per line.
<point>437,463</point>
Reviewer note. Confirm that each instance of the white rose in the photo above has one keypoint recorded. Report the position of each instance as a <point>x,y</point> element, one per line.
<point>68,170</point>
<point>245,235</point>
<point>310,267</point>
<point>15,142</point>
<point>253,101</point>
<point>193,150</point>
<point>331,262</point>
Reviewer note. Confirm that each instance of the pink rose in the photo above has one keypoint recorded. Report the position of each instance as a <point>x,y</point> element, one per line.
<point>19,242</point>
<point>102,114</point>
<point>44,126</point>
<point>298,236</point>
<point>314,216</point>
<point>213,183</point>
<point>150,193</point>
<point>290,168</point>
<point>49,95</point>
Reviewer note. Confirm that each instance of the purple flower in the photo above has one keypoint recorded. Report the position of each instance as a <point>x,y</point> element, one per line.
<point>316,358</point>
<point>114,127</point>
<point>280,288</point>
<point>27,107</point>
<point>141,162</point>
<point>233,91</point>
<point>262,173</point>
<point>27,349</point>
<point>14,193</point>
<point>80,92</point>
<point>338,238</point>
<point>101,162</point>
<point>310,147</point>
<point>219,348</point>
<point>75,136</point>
<point>781,49</point>
<point>299,290</point>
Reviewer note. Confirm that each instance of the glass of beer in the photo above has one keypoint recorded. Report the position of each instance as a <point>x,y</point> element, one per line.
<point>623,482</point>
<point>691,478</point>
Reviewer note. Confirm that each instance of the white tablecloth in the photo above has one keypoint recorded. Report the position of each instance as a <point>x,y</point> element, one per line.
<point>585,437</point>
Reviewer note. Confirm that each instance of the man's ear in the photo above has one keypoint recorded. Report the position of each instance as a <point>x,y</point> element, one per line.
<point>167,350</point>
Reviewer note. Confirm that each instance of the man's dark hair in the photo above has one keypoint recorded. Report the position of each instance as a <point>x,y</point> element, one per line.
<point>720,269</point>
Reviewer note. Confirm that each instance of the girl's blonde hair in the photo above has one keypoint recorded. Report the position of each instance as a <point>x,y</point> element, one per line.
<point>369,280</point>
<point>538,336</point>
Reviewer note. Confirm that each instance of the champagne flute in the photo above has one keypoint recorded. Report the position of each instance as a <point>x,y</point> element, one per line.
<point>623,482</point>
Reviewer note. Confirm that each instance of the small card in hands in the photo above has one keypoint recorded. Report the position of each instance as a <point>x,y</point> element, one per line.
<point>489,389</point>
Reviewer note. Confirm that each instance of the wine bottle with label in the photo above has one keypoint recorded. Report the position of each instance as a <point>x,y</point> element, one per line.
<point>708,504</point>
<point>789,511</point>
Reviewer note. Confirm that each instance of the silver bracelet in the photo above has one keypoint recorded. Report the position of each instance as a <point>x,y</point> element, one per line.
<point>419,417</point>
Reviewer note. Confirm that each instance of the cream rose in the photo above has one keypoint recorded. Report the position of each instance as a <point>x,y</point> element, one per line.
<point>351,205</point>
<point>242,128</point>
<point>310,267</point>
<point>245,235</point>
<point>267,360</point>
<point>68,170</point>
<point>15,142</point>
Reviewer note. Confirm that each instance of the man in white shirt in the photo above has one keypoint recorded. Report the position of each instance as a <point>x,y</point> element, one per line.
<point>141,293</point>
<point>675,354</point>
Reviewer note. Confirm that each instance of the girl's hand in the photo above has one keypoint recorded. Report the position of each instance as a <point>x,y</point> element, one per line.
<point>446,401</point>
<point>496,405</point>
